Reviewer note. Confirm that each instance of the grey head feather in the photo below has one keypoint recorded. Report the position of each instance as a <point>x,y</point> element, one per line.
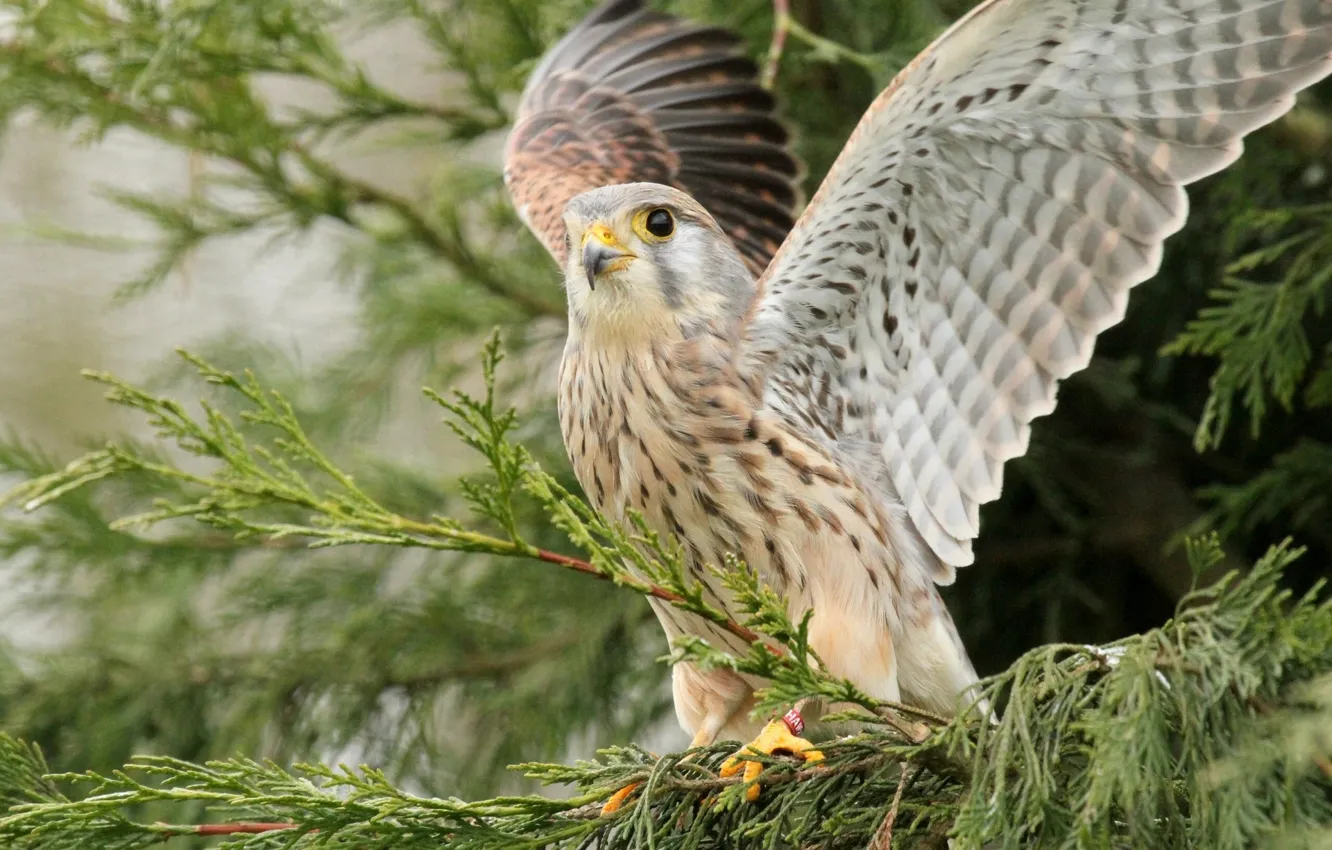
<point>699,258</point>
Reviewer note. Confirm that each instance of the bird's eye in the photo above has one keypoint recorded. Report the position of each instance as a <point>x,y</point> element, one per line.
<point>656,224</point>
<point>660,223</point>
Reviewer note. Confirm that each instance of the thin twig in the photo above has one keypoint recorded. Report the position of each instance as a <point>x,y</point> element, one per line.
<point>781,26</point>
<point>919,713</point>
<point>424,533</point>
<point>883,837</point>
<point>916,733</point>
<point>831,49</point>
<point>654,590</point>
<point>213,829</point>
<point>421,533</point>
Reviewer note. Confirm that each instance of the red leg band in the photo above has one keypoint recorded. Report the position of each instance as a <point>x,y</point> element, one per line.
<point>794,722</point>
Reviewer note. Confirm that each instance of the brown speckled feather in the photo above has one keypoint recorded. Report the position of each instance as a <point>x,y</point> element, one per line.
<point>631,95</point>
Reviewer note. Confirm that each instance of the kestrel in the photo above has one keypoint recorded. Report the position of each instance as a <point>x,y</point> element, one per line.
<point>836,412</point>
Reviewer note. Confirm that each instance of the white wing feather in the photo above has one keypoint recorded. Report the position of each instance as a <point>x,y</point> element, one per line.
<point>989,215</point>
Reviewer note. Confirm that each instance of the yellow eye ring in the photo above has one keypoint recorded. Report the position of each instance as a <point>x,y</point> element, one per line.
<point>654,225</point>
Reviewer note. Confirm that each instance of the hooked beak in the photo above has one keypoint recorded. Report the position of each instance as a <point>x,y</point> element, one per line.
<point>602,252</point>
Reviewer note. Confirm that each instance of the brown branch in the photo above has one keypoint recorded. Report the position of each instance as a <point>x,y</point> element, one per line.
<point>228,542</point>
<point>419,530</point>
<point>920,713</point>
<point>916,733</point>
<point>589,811</point>
<point>440,537</point>
<point>883,837</point>
<point>654,590</point>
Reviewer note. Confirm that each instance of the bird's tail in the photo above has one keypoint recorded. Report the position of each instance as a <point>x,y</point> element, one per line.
<point>934,671</point>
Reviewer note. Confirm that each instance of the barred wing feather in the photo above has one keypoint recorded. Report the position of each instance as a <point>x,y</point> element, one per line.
<point>989,216</point>
<point>630,95</point>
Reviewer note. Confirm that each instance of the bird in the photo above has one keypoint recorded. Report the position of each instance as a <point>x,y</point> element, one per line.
<point>831,398</point>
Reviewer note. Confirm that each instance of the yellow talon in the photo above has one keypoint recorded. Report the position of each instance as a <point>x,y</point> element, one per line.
<point>617,799</point>
<point>775,738</point>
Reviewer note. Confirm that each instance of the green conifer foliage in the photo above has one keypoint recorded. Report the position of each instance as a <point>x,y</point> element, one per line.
<point>258,581</point>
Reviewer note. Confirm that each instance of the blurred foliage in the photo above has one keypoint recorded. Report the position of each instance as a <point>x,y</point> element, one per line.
<point>1206,408</point>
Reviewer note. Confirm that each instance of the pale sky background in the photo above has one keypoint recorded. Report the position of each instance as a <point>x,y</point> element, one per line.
<point>58,316</point>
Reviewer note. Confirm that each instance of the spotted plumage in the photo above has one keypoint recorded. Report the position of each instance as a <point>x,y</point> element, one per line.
<point>838,420</point>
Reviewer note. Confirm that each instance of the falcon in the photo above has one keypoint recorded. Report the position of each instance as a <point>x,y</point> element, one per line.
<point>833,400</point>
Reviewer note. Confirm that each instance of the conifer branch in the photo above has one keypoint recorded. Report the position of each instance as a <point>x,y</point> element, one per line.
<point>211,830</point>
<point>268,463</point>
<point>1152,741</point>
<point>1257,327</point>
<point>287,470</point>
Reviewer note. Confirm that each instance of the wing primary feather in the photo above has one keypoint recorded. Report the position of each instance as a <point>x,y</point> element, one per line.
<point>989,216</point>
<point>631,95</point>
<point>691,40</point>
<point>703,67</point>
<point>720,95</point>
<point>746,125</point>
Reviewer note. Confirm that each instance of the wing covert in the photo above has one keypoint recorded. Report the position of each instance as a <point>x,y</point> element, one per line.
<point>990,214</point>
<point>630,95</point>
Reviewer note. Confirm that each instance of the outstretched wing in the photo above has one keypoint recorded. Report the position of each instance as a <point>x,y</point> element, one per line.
<point>632,95</point>
<point>989,216</point>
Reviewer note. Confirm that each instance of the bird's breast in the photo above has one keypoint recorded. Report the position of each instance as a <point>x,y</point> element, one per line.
<point>684,444</point>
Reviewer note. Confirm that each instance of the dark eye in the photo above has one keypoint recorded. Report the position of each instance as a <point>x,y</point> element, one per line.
<point>660,223</point>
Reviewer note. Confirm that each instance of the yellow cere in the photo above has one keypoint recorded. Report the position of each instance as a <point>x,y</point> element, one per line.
<point>604,235</point>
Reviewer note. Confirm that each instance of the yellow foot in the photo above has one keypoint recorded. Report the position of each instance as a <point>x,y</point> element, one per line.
<point>617,799</point>
<point>775,738</point>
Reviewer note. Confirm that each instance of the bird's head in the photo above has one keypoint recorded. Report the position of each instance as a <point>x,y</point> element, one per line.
<point>645,257</point>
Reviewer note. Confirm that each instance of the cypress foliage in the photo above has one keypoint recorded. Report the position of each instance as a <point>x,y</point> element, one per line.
<point>257,582</point>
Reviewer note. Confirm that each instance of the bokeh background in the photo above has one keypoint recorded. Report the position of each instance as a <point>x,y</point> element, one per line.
<point>332,217</point>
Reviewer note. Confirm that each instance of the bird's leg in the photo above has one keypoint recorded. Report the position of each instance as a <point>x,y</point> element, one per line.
<point>616,801</point>
<point>781,735</point>
<point>707,733</point>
